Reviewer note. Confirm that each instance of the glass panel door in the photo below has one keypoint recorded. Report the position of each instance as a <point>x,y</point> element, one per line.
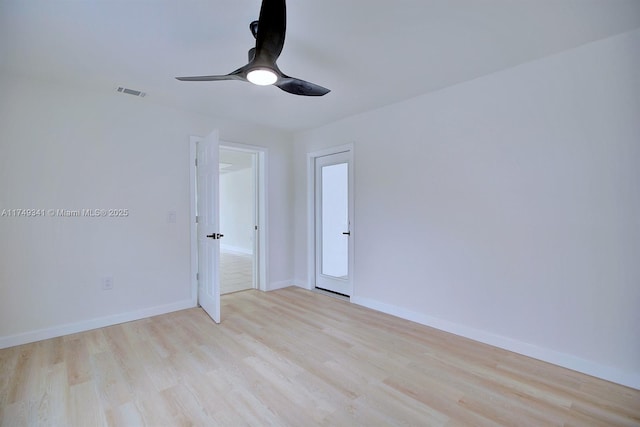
<point>335,220</point>
<point>333,246</point>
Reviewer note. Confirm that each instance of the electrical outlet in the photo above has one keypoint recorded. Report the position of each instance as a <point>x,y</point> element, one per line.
<point>107,283</point>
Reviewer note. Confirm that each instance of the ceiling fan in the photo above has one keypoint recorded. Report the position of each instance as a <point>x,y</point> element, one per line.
<point>269,31</point>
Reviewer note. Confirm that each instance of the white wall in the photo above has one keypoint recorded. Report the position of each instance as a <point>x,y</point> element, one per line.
<point>510,207</point>
<point>237,210</point>
<point>71,148</point>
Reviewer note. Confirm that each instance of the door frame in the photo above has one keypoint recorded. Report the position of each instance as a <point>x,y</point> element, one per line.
<point>262,220</point>
<point>311,213</point>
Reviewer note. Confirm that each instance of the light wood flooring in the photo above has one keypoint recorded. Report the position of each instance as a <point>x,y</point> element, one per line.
<point>236,272</point>
<point>296,358</point>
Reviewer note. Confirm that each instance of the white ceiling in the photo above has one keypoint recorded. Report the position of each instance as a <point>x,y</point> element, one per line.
<point>370,53</point>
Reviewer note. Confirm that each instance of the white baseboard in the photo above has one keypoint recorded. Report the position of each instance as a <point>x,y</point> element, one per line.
<point>279,285</point>
<point>629,379</point>
<point>235,250</point>
<point>301,284</point>
<point>72,328</point>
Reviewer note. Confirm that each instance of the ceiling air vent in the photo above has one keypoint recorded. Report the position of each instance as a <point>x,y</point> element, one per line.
<point>131,91</point>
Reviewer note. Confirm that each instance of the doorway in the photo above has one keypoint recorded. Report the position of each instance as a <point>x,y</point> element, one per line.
<point>238,219</point>
<point>332,179</point>
<point>205,208</point>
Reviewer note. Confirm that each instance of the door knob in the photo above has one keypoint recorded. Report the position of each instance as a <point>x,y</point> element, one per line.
<point>215,236</point>
<point>346,233</point>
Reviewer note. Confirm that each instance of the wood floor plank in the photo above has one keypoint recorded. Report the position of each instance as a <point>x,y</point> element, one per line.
<point>76,356</point>
<point>161,374</point>
<point>85,406</point>
<point>112,388</point>
<point>20,374</point>
<point>53,408</point>
<point>240,403</point>
<point>289,358</point>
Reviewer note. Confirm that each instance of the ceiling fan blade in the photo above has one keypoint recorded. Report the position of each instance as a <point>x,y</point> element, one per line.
<point>272,26</point>
<point>254,29</point>
<point>238,74</point>
<point>210,78</point>
<point>300,87</point>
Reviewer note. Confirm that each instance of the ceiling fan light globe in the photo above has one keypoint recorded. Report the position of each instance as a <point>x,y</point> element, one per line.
<point>262,77</point>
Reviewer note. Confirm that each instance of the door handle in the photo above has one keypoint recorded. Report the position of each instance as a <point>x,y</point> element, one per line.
<point>346,233</point>
<point>215,236</point>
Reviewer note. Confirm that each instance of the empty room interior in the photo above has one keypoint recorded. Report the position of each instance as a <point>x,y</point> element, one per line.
<point>428,213</point>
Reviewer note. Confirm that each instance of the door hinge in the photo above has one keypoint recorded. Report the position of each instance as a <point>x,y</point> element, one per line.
<point>256,227</point>
<point>197,276</point>
<point>196,219</point>
<point>196,161</point>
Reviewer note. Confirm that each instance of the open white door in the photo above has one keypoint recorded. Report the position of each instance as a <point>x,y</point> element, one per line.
<point>208,225</point>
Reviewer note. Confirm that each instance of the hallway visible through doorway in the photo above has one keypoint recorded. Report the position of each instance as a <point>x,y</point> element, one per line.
<point>238,219</point>
<point>236,272</point>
